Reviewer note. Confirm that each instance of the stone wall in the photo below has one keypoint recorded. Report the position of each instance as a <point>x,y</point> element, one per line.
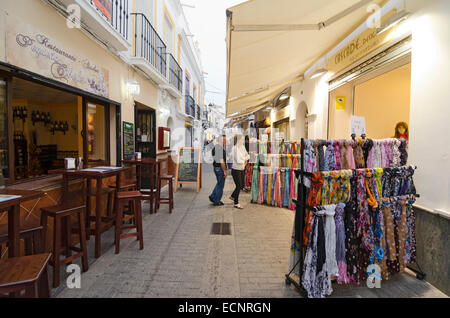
<point>433,250</point>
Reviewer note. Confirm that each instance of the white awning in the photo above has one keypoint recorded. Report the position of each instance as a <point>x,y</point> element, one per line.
<point>262,61</point>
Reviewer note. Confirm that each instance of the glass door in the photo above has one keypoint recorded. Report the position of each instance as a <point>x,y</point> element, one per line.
<point>145,122</point>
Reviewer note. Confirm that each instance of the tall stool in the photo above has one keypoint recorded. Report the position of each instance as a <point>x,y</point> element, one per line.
<point>30,232</point>
<point>62,213</point>
<point>29,273</point>
<point>121,198</point>
<point>165,200</point>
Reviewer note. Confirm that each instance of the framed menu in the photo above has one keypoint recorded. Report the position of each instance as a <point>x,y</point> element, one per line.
<point>128,141</point>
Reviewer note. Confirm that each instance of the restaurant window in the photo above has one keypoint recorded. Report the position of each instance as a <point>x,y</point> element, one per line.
<point>48,127</point>
<point>96,134</point>
<point>3,131</point>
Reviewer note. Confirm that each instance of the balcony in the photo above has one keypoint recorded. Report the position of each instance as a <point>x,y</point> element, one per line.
<point>175,87</point>
<point>149,50</point>
<point>109,23</point>
<point>190,106</point>
<point>198,117</point>
<point>205,115</point>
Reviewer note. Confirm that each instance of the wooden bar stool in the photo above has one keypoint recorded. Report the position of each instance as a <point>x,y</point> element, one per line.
<point>121,198</point>
<point>30,232</point>
<point>61,214</point>
<point>168,200</point>
<point>26,273</point>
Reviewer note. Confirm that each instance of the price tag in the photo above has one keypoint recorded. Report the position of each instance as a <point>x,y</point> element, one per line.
<point>358,125</point>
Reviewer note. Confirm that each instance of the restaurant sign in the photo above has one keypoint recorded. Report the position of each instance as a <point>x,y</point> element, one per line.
<point>35,51</point>
<point>367,42</point>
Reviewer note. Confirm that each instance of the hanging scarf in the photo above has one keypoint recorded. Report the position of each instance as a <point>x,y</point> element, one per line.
<point>330,244</point>
<point>340,244</point>
<point>315,275</point>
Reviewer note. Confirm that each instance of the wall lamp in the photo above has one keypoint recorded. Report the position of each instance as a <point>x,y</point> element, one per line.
<point>134,89</point>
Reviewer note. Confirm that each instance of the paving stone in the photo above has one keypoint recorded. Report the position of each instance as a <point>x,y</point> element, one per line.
<point>181,259</point>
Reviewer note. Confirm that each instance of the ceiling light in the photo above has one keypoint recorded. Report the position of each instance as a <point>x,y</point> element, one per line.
<point>319,72</point>
<point>393,21</point>
<point>284,97</point>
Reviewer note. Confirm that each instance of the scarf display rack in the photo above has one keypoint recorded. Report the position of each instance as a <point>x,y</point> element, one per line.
<point>391,187</point>
<point>273,179</point>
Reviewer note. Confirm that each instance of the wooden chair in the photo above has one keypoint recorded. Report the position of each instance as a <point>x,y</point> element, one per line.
<point>26,273</point>
<point>121,198</point>
<point>30,232</point>
<point>165,200</point>
<point>62,216</point>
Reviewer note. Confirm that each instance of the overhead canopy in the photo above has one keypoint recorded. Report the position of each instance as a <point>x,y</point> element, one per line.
<point>263,61</point>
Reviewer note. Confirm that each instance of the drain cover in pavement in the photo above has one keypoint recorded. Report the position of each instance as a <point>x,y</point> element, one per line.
<point>221,229</point>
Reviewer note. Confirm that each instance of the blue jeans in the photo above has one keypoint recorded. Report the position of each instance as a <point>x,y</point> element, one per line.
<point>217,193</point>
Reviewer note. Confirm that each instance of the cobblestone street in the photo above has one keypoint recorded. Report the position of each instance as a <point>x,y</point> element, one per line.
<point>182,259</point>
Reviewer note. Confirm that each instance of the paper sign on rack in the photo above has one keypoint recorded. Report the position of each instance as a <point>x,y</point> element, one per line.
<point>358,125</point>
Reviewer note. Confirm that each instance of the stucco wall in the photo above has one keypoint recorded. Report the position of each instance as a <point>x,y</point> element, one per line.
<point>47,20</point>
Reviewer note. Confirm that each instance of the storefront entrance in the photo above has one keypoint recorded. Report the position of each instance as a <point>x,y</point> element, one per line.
<point>145,119</point>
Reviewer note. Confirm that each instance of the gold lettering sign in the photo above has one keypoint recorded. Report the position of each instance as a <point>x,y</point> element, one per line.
<point>282,113</point>
<point>366,42</point>
<point>35,51</point>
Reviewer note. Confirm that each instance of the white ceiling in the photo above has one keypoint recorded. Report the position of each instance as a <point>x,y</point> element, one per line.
<point>23,89</point>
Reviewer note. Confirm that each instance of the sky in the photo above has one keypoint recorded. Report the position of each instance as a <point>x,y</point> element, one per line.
<point>207,21</point>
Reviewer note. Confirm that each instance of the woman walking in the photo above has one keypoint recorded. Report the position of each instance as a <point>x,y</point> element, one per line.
<point>240,157</point>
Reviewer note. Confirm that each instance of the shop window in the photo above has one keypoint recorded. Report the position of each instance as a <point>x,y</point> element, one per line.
<point>96,134</point>
<point>4,162</point>
<point>381,96</point>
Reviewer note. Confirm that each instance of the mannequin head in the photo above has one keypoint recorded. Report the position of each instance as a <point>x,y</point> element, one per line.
<point>401,129</point>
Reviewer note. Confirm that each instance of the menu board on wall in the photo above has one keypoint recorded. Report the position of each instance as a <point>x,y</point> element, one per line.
<point>128,141</point>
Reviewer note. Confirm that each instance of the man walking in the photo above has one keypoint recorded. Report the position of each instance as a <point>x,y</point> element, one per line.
<point>220,170</point>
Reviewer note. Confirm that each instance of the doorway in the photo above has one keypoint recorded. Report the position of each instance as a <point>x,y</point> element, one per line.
<point>145,122</point>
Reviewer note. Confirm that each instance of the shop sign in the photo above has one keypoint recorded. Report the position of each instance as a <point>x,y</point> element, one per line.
<point>365,43</point>
<point>341,102</point>
<point>358,125</point>
<point>35,51</point>
<point>282,114</point>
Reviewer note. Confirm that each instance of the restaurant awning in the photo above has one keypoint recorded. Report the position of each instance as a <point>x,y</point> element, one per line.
<point>272,43</point>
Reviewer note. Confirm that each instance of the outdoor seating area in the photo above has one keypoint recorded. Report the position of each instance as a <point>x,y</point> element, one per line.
<point>24,272</point>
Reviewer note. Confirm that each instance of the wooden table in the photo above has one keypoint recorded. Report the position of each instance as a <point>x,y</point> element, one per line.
<point>89,174</point>
<point>13,209</point>
<point>151,163</point>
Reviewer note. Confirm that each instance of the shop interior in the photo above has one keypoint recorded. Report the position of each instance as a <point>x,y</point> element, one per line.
<point>381,96</point>
<point>48,127</point>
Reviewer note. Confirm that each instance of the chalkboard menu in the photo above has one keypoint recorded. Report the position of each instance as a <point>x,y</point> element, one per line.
<point>189,167</point>
<point>128,141</point>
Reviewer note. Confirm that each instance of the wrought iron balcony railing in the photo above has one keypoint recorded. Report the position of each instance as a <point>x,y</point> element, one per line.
<point>190,106</point>
<point>198,112</point>
<point>119,16</point>
<point>148,44</point>
<point>175,73</point>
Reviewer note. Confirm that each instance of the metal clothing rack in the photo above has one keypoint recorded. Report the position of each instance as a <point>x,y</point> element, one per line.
<point>301,207</point>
